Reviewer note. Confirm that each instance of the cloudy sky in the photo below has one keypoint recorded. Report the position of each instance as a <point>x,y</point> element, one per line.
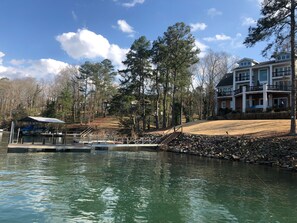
<point>38,38</point>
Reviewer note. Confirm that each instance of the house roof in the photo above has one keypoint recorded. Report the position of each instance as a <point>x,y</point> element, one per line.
<point>42,120</point>
<point>227,80</point>
<point>245,58</point>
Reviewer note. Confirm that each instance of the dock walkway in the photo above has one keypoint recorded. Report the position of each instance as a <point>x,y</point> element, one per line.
<point>27,148</point>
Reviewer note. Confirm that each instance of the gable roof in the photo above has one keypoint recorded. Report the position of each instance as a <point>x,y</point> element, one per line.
<point>249,59</point>
<point>42,120</point>
<point>227,80</point>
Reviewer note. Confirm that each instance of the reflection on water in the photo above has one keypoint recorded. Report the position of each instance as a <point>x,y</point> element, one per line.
<point>141,187</point>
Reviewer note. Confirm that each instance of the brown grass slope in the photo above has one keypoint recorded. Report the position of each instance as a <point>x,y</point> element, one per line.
<point>275,127</point>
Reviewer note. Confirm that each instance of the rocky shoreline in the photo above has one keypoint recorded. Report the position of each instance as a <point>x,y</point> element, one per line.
<point>273,151</point>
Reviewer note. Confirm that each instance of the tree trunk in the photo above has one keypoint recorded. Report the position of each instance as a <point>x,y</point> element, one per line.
<point>164,124</point>
<point>173,118</point>
<point>293,90</point>
<point>157,110</point>
<point>143,110</point>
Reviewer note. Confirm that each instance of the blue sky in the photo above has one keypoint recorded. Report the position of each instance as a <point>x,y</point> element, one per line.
<point>38,38</point>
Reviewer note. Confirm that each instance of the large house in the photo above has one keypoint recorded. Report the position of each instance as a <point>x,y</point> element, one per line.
<point>253,85</point>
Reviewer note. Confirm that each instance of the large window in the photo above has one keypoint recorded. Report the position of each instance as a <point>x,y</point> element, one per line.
<point>263,76</point>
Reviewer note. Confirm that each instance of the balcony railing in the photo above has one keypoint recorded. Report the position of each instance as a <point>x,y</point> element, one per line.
<point>237,91</point>
<point>260,88</point>
<point>281,73</point>
<point>224,93</point>
<point>255,88</point>
<point>243,78</point>
<point>279,87</point>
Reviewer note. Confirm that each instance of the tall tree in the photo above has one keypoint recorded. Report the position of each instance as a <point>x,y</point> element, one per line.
<point>278,21</point>
<point>182,53</point>
<point>102,78</point>
<point>84,77</point>
<point>138,73</point>
<point>162,78</point>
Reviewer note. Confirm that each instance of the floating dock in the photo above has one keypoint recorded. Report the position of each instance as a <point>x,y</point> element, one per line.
<point>31,148</point>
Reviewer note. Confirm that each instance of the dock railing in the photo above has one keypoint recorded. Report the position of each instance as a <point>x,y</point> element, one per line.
<point>170,135</point>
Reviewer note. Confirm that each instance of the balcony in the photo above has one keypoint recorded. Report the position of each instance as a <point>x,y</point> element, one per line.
<point>281,73</point>
<point>279,87</point>
<point>238,91</point>
<point>260,88</point>
<point>243,78</point>
<point>224,93</point>
<point>255,88</point>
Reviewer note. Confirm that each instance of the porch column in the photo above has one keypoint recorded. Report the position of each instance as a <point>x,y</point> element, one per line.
<point>216,103</point>
<point>270,74</point>
<point>265,99</point>
<point>251,77</point>
<point>233,104</point>
<point>243,99</point>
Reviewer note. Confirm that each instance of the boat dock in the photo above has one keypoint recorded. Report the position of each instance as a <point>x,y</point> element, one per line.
<point>85,144</point>
<point>31,148</point>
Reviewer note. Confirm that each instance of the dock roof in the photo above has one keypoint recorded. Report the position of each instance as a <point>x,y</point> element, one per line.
<point>42,120</point>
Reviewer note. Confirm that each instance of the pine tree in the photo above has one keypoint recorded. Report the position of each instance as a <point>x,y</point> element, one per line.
<point>138,72</point>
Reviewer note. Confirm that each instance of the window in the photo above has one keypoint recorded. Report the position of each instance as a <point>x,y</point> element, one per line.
<point>263,75</point>
<point>280,102</point>
<point>245,63</point>
<point>223,104</point>
<point>284,56</point>
<point>242,76</point>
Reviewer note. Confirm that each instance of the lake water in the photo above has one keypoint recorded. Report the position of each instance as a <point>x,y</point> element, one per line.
<point>142,186</point>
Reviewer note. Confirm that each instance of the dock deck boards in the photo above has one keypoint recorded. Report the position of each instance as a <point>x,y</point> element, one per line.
<point>27,148</point>
<point>23,148</point>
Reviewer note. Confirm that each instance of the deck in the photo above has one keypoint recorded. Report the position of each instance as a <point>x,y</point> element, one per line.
<point>31,148</point>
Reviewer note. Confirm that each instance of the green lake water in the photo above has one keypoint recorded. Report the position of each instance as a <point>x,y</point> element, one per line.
<point>141,186</point>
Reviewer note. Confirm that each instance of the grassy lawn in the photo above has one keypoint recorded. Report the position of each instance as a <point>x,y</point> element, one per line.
<point>276,127</point>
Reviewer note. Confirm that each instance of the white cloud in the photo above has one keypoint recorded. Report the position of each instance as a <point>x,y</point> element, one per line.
<point>248,21</point>
<point>203,48</point>
<point>118,55</point>
<point>133,3</point>
<point>125,27</point>
<point>1,57</point>
<point>198,26</point>
<point>17,62</point>
<point>39,69</point>
<point>213,12</point>
<point>85,44</point>
<point>2,68</point>
<point>218,37</point>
